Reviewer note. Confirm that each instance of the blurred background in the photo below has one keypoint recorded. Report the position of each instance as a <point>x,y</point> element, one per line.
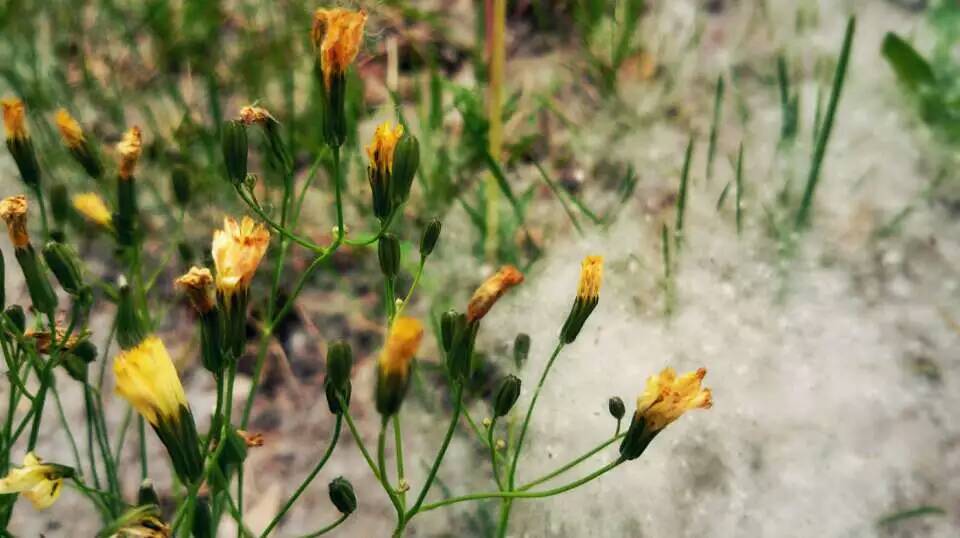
<point>678,139</point>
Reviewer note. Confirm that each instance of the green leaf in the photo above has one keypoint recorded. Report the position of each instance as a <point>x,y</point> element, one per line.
<point>910,67</point>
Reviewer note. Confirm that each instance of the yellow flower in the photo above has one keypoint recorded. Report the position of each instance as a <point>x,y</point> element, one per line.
<point>336,35</point>
<point>70,130</point>
<point>487,294</point>
<point>39,482</point>
<point>667,396</point>
<point>591,274</point>
<point>237,251</point>
<point>402,344</point>
<point>13,118</point>
<point>147,379</point>
<point>197,283</point>
<point>13,210</point>
<point>129,150</point>
<point>93,208</point>
<point>140,522</point>
<point>380,150</point>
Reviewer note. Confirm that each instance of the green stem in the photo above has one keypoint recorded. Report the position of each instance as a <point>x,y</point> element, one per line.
<point>571,464</point>
<point>382,468</point>
<point>328,528</point>
<point>458,406</point>
<point>526,420</point>
<point>66,425</point>
<point>493,454</point>
<point>398,445</point>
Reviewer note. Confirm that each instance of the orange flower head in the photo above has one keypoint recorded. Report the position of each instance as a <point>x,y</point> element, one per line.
<point>13,118</point>
<point>591,275</point>
<point>129,149</point>
<point>70,130</point>
<point>337,34</point>
<point>13,210</point>
<point>380,150</point>
<point>490,291</point>
<point>237,251</point>
<point>402,344</point>
<point>667,397</point>
<point>197,283</point>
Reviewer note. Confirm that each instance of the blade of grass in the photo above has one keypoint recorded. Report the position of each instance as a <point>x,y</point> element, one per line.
<point>739,198</point>
<point>717,114</point>
<point>723,196</point>
<point>682,194</point>
<point>556,192</point>
<point>803,213</point>
<point>910,514</point>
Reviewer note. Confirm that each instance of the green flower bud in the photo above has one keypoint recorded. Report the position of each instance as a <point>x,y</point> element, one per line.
<point>339,363</point>
<point>85,350</point>
<point>449,321</point>
<point>521,348</point>
<point>379,190</point>
<point>334,394</point>
<point>125,221</point>
<point>17,317</point>
<point>38,286</point>
<point>180,185</point>
<point>147,494</point>
<point>406,159</point>
<point>234,140</point>
<point>506,395</point>
<point>65,265</point>
<point>342,495</point>
<point>428,241</point>
<point>26,159</point>
<point>389,253</point>
<point>637,438</point>
<point>130,325</point>
<point>616,407</point>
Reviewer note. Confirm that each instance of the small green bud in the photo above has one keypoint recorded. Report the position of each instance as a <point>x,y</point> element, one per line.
<point>17,317</point>
<point>65,265</point>
<point>334,394</point>
<point>342,495</point>
<point>521,348</point>
<point>59,203</point>
<point>85,350</point>
<point>506,395</point>
<point>448,328</point>
<point>180,185</point>
<point>147,494</point>
<point>616,407</point>
<point>406,159</point>
<point>235,148</point>
<point>339,363</point>
<point>130,325</point>
<point>379,191</point>
<point>389,253</point>
<point>428,241</point>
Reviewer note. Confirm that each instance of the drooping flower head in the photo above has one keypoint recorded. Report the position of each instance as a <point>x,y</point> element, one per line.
<point>70,130</point>
<point>380,150</point>
<point>197,283</point>
<point>490,291</point>
<point>337,34</point>
<point>93,208</point>
<point>139,522</point>
<point>147,379</point>
<point>667,397</point>
<point>39,482</point>
<point>402,344</point>
<point>129,149</point>
<point>591,275</point>
<point>237,250</point>
<point>13,119</point>
<point>13,210</point>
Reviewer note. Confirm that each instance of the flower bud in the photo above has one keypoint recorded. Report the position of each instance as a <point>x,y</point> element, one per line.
<point>92,208</point>
<point>388,251</point>
<point>65,265</point>
<point>19,142</point>
<point>506,395</point>
<point>336,35</point>
<point>460,356</point>
<point>342,495</point>
<point>616,407</point>
<point>339,363</point>
<point>428,241</point>
<point>77,144</point>
<point>17,317</point>
<point>521,348</point>
<point>180,185</point>
<point>129,149</point>
<point>235,151</point>
<point>588,295</point>
<point>131,328</point>
<point>271,129</point>
<point>406,159</point>
<point>491,290</point>
<point>395,363</point>
<point>147,494</point>
<point>448,327</point>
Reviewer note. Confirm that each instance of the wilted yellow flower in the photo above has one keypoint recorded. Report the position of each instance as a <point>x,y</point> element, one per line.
<point>487,294</point>
<point>667,396</point>
<point>13,210</point>
<point>237,251</point>
<point>141,522</point>
<point>591,274</point>
<point>402,344</point>
<point>380,150</point>
<point>336,35</point>
<point>70,130</point>
<point>41,339</point>
<point>255,114</point>
<point>147,379</point>
<point>13,118</point>
<point>197,283</point>
<point>93,208</point>
<point>39,482</point>
<point>129,150</point>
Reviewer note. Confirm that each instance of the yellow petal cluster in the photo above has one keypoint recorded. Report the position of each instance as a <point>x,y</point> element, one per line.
<point>237,251</point>
<point>336,35</point>
<point>402,344</point>
<point>13,118</point>
<point>147,379</point>
<point>13,211</point>
<point>490,291</point>
<point>667,397</point>
<point>591,274</point>
<point>197,283</point>
<point>70,130</point>
<point>384,142</point>
<point>129,149</point>
<point>93,208</point>
<point>39,482</point>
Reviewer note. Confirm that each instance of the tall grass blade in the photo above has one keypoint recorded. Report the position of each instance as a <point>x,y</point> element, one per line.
<point>682,194</point>
<point>717,114</point>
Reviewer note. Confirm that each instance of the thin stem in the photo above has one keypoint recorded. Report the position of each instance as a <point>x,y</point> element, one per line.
<point>306,482</point>
<point>382,467</point>
<point>458,406</point>
<point>66,424</point>
<point>142,434</point>
<point>526,420</point>
<point>398,446</point>
<point>328,528</point>
<point>359,440</point>
<point>493,454</point>
<point>571,464</point>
